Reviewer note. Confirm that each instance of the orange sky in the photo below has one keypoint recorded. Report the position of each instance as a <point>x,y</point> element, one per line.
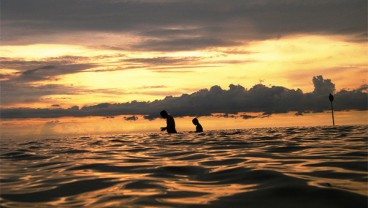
<point>122,76</point>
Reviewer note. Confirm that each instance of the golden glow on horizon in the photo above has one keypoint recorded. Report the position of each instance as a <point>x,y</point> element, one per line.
<point>293,61</point>
<point>37,128</point>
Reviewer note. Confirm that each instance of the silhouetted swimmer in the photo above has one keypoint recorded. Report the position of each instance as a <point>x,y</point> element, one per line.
<point>198,125</point>
<point>170,123</point>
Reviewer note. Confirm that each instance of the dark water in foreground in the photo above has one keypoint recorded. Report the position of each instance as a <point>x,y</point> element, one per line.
<point>280,167</point>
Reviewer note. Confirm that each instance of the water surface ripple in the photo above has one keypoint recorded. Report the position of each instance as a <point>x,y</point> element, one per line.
<point>270,167</point>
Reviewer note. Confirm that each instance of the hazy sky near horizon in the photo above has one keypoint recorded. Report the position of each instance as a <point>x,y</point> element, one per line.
<point>64,53</point>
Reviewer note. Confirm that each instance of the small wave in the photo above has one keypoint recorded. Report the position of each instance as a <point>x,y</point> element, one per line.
<point>114,168</point>
<point>46,164</point>
<point>231,161</point>
<point>63,190</point>
<point>286,149</point>
<point>193,157</point>
<point>21,155</point>
<point>143,184</point>
<point>30,143</point>
<point>175,171</point>
<point>358,166</point>
<point>172,153</point>
<point>96,143</point>
<point>292,196</point>
<point>70,151</point>
<point>119,141</point>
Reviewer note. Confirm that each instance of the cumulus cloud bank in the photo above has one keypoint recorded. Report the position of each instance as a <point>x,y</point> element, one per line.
<point>205,102</point>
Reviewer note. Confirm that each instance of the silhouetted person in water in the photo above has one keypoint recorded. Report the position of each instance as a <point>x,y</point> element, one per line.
<point>170,123</point>
<point>198,125</point>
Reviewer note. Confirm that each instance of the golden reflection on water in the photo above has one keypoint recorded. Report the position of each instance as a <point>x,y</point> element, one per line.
<point>184,169</point>
<point>210,193</point>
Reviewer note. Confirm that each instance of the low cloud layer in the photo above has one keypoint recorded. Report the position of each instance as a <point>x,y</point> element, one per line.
<point>259,98</point>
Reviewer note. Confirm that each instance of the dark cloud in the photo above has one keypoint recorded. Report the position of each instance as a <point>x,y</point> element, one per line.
<point>248,116</point>
<point>173,64</point>
<point>49,72</point>
<point>259,98</point>
<point>18,87</point>
<point>185,44</point>
<point>5,76</point>
<point>14,92</point>
<point>181,25</point>
<point>130,118</point>
<point>323,86</point>
<point>44,69</point>
<point>163,61</point>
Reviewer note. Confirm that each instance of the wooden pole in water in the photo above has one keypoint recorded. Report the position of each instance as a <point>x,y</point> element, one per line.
<point>331,97</point>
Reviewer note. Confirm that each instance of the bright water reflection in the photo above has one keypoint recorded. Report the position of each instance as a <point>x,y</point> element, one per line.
<point>289,167</point>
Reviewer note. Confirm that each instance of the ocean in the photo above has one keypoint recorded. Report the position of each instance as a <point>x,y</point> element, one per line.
<point>262,167</point>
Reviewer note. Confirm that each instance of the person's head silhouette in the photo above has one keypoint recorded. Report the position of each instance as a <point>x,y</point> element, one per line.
<point>164,114</point>
<point>197,124</point>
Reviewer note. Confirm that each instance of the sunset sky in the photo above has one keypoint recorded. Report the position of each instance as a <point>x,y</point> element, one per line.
<point>65,53</point>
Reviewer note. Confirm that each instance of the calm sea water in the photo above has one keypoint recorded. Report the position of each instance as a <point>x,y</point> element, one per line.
<point>270,167</point>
